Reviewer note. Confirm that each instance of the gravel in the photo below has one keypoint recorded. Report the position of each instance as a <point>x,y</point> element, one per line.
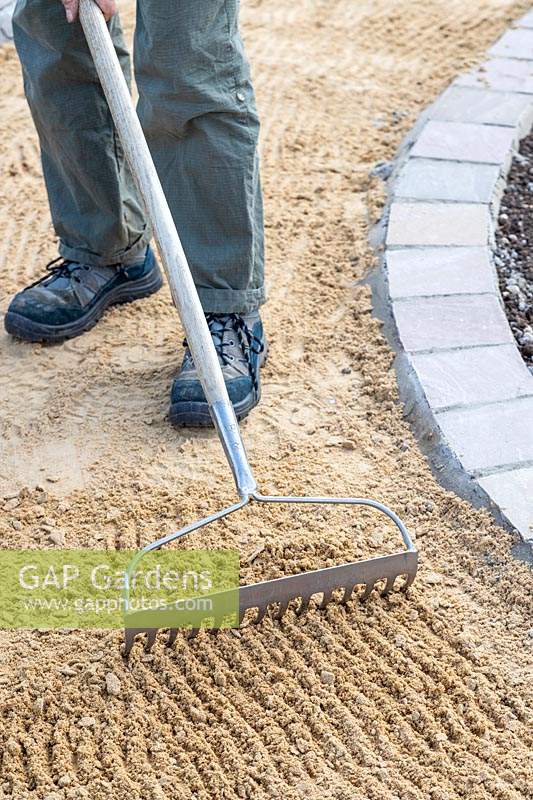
<point>514,253</point>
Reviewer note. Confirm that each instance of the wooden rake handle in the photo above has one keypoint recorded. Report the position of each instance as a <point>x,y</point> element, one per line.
<point>172,255</point>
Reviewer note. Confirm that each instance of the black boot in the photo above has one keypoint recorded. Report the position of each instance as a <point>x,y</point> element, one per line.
<point>241,347</point>
<point>72,297</point>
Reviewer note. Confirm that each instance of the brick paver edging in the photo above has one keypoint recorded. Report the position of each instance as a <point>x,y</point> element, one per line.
<point>467,390</point>
<point>6,12</point>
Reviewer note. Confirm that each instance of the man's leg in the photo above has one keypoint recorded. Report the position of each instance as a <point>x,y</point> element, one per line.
<point>198,111</point>
<point>95,209</point>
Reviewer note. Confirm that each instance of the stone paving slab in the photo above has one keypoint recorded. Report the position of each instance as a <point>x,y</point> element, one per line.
<point>513,492</point>
<point>501,75</point>
<point>426,179</point>
<point>526,21</point>
<point>472,376</point>
<point>492,436</point>
<point>443,323</point>
<point>439,270</point>
<point>463,104</point>
<point>517,43</point>
<point>465,141</point>
<point>438,224</point>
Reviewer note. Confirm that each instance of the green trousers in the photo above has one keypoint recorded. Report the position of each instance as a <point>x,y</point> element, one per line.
<point>197,109</point>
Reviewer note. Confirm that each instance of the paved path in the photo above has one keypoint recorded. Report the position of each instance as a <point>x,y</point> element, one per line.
<point>460,371</point>
<point>6,11</point>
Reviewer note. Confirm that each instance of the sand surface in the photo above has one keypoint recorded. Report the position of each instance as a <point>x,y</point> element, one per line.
<point>432,694</point>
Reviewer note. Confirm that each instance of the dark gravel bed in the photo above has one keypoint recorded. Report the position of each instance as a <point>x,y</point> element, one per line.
<point>514,249</point>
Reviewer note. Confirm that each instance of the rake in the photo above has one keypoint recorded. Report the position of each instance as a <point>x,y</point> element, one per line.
<point>279,592</point>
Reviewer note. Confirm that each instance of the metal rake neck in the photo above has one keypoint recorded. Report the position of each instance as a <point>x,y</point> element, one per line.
<point>257,497</point>
<point>227,427</point>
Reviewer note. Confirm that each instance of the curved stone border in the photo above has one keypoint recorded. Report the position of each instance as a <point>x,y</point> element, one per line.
<point>6,12</point>
<point>465,385</point>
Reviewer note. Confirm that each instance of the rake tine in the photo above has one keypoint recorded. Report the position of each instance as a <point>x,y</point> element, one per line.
<point>217,624</point>
<point>194,633</point>
<point>282,610</point>
<point>129,640</point>
<point>389,585</point>
<point>151,635</point>
<point>172,636</point>
<point>261,611</point>
<point>304,605</point>
<point>368,590</point>
<point>327,597</point>
<point>347,596</point>
<point>408,581</point>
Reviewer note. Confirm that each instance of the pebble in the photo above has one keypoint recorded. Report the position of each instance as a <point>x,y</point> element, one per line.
<point>530,633</point>
<point>97,656</point>
<point>112,684</point>
<point>65,780</point>
<point>220,679</point>
<point>40,497</point>
<point>16,524</point>
<point>87,722</point>
<point>197,715</point>
<point>57,538</point>
<point>327,677</point>
<point>383,170</point>
<point>302,745</point>
<point>12,746</point>
<point>68,671</point>
<point>38,706</point>
<point>11,504</point>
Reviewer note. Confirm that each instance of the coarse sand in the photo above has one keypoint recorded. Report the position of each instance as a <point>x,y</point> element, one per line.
<point>429,696</point>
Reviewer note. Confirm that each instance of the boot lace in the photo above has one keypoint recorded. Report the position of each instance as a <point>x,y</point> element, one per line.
<point>63,268</point>
<point>59,268</point>
<point>219,324</point>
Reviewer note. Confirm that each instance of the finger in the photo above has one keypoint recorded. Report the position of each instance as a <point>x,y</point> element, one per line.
<point>109,7</point>
<point>71,9</point>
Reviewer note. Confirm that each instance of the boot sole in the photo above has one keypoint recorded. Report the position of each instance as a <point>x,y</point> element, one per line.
<point>30,331</point>
<point>196,414</point>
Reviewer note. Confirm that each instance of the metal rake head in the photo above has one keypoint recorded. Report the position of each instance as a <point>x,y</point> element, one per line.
<point>280,592</point>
